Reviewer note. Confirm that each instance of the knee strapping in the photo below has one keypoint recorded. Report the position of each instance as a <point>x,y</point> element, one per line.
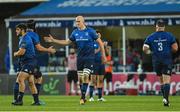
<point>86,71</point>
<point>80,73</point>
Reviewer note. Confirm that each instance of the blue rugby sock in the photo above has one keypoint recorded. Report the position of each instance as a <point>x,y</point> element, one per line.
<point>84,88</point>
<point>16,91</point>
<point>162,90</point>
<point>91,90</point>
<point>166,91</point>
<point>81,88</point>
<point>99,93</point>
<point>38,86</point>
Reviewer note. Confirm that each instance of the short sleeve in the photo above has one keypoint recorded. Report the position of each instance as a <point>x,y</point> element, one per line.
<point>23,44</point>
<point>94,34</point>
<point>147,41</point>
<point>36,39</point>
<point>72,37</point>
<point>34,36</point>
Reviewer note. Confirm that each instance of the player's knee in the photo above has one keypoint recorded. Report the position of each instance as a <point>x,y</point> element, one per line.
<point>31,83</point>
<point>20,80</point>
<point>86,79</point>
<point>80,76</point>
<point>93,80</point>
<point>99,78</point>
<point>39,80</point>
<point>101,81</point>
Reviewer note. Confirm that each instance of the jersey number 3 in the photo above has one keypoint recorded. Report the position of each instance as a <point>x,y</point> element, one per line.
<point>160,46</point>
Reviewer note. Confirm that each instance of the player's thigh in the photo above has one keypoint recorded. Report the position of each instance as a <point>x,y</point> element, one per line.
<point>93,80</point>
<point>158,68</point>
<point>22,76</point>
<point>38,80</point>
<point>167,71</point>
<point>31,79</point>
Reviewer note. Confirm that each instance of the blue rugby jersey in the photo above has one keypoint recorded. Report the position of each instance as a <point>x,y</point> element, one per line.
<point>160,45</point>
<point>84,40</point>
<point>26,43</point>
<point>98,54</point>
<point>34,36</point>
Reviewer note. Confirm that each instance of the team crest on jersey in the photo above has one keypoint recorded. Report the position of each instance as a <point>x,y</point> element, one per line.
<point>95,45</point>
<point>76,34</point>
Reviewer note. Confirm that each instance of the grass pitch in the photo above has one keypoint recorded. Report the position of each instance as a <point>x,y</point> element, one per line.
<point>113,103</point>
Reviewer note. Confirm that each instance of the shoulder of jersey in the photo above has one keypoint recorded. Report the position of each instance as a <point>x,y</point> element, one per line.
<point>89,28</point>
<point>32,33</point>
<point>27,37</point>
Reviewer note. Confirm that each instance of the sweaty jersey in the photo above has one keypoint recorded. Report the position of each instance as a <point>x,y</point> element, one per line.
<point>98,54</point>
<point>25,42</point>
<point>84,40</point>
<point>160,45</point>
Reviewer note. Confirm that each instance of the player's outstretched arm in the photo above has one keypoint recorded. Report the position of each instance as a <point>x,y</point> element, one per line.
<point>39,47</point>
<point>61,42</point>
<point>20,52</point>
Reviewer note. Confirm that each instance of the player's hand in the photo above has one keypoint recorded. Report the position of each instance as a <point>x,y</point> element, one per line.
<point>99,35</point>
<point>15,54</point>
<point>105,43</point>
<point>49,38</point>
<point>51,50</point>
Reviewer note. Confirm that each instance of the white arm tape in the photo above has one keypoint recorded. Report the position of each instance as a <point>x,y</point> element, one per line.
<point>146,45</point>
